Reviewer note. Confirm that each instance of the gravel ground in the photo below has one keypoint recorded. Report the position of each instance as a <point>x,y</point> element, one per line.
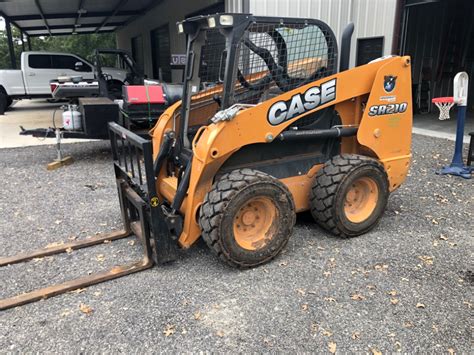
<point>406,286</point>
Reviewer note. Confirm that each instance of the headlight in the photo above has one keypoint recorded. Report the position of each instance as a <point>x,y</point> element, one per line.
<point>211,22</point>
<point>180,28</point>
<point>226,20</point>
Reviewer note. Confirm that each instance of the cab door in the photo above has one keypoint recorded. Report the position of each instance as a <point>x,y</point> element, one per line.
<point>38,72</point>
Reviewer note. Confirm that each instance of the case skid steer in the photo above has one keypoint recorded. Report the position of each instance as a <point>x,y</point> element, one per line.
<point>267,127</point>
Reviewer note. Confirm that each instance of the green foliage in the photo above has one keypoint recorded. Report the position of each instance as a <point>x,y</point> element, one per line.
<point>82,45</point>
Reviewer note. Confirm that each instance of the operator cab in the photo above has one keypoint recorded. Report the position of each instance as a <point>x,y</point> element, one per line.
<point>240,60</point>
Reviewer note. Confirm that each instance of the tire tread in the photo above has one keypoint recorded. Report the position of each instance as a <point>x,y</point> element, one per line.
<point>215,203</point>
<point>325,186</point>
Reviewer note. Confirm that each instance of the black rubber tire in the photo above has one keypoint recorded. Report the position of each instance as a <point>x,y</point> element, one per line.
<point>3,103</point>
<point>226,197</point>
<point>9,101</point>
<point>329,190</point>
<point>114,88</point>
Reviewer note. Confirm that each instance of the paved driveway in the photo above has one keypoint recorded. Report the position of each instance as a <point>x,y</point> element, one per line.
<point>29,114</point>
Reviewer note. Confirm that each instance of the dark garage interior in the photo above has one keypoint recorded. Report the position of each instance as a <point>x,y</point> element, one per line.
<point>439,36</point>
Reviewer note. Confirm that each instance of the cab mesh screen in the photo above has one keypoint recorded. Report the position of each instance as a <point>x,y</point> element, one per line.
<point>275,58</point>
<point>212,64</point>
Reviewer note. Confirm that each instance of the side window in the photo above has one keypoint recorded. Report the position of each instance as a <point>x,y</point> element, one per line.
<point>69,62</point>
<point>307,50</point>
<point>368,49</point>
<point>212,62</point>
<point>39,61</point>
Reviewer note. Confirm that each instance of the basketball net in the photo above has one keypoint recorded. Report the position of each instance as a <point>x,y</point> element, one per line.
<point>444,104</point>
<point>444,108</point>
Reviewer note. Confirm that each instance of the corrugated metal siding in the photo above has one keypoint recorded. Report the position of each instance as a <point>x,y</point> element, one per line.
<point>371,17</point>
<point>234,6</point>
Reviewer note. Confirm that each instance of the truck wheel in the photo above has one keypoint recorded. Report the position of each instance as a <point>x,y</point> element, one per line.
<point>9,101</point>
<point>349,195</point>
<point>3,103</point>
<point>247,218</point>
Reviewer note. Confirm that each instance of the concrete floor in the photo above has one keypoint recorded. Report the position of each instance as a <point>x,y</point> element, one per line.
<point>29,114</point>
<point>430,125</point>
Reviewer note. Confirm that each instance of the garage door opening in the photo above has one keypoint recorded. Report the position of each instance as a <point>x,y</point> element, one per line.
<point>438,35</point>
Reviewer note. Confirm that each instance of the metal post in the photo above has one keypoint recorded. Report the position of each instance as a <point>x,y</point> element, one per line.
<point>11,49</point>
<point>28,40</point>
<point>461,117</point>
<point>58,144</point>
<point>22,41</point>
<point>399,8</point>
<point>60,161</point>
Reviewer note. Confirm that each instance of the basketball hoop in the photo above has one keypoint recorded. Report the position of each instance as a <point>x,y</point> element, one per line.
<point>457,167</point>
<point>444,104</point>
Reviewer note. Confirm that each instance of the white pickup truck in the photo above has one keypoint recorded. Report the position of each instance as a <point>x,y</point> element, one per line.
<point>39,68</point>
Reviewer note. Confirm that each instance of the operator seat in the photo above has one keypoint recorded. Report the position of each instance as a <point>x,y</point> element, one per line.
<point>173,92</point>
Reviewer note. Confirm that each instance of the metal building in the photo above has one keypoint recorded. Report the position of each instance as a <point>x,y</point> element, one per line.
<point>374,26</point>
<point>373,19</point>
<point>436,33</point>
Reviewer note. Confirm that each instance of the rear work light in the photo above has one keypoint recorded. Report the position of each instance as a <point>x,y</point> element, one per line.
<point>226,20</point>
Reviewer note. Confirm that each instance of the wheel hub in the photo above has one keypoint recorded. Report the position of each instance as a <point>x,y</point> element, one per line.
<point>253,223</point>
<point>248,218</point>
<point>361,199</point>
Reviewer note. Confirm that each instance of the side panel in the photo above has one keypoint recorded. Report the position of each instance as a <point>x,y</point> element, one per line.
<point>387,120</point>
<point>12,82</point>
<point>37,79</point>
<point>300,187</point>
<point>47,67</point>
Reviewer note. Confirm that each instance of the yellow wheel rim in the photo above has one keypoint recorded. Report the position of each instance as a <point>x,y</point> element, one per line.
<point>361,200</point>
<point>254,223</point>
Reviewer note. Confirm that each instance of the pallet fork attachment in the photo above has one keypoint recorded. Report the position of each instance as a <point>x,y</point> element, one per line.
<point>133,165</point>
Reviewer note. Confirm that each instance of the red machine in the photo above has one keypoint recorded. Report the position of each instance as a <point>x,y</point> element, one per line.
<point>144,94</point>
<point>142,105</point>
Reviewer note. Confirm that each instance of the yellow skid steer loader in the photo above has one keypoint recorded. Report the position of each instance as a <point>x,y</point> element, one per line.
<point>267,127</point>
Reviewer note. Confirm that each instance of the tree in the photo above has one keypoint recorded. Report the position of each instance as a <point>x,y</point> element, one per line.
<point>82,45</point>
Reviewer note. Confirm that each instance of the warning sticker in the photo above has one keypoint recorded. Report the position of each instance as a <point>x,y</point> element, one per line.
<point>154,202</point>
